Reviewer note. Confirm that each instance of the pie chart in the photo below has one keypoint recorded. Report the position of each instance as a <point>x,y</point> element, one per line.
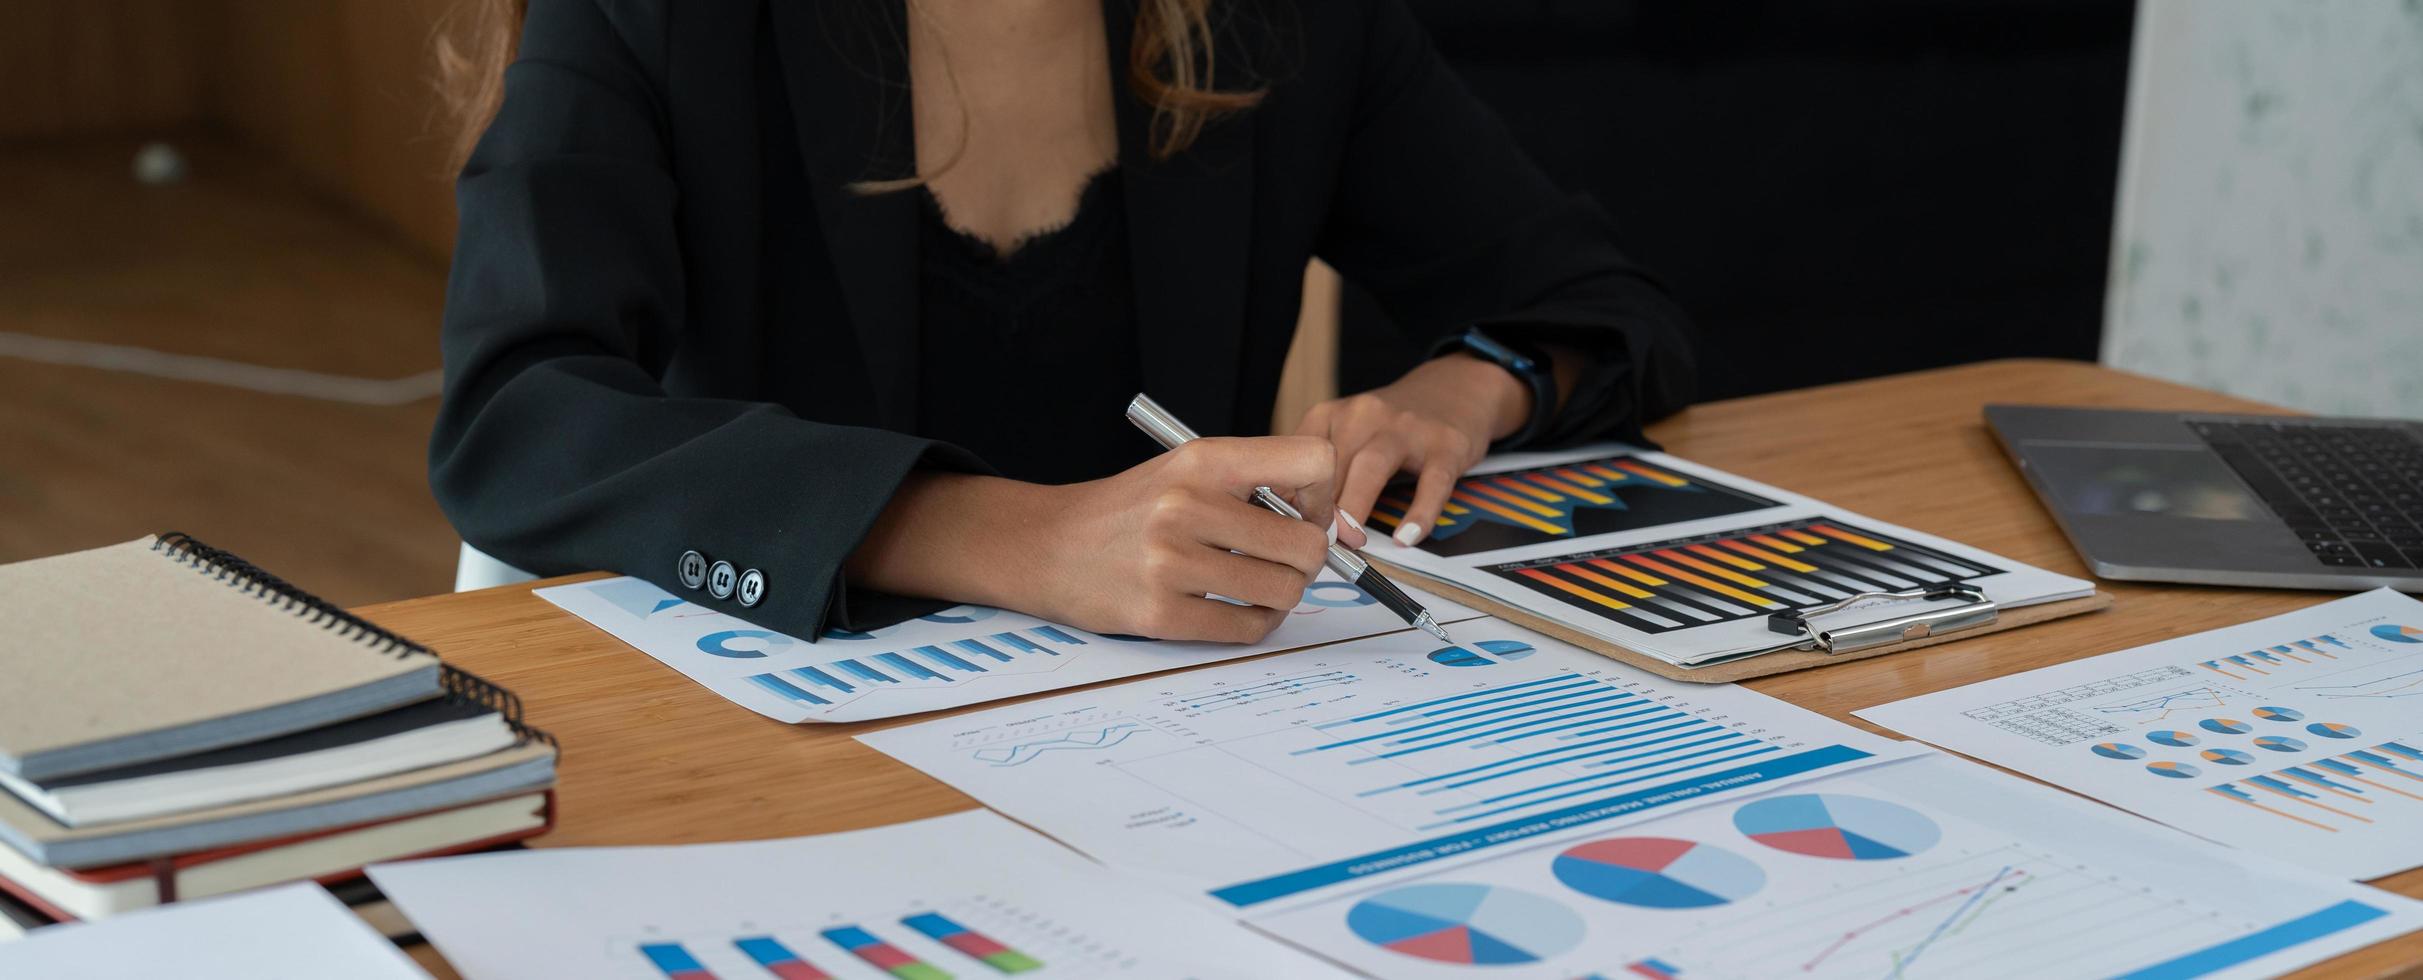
<point>2172,738</point>
<point>2280,743</point>
<point>1479,925</point>
<point>1488,652</point>
<point>2332,729</point>
<point>2279,714</point>
<point>2118,750</point>
<point>2228,757</point>
<point>2225,726</point>
<point>1835,825</point>
<point>2395,633</point>
<point>2175,770</point>
<point>1658,872</point>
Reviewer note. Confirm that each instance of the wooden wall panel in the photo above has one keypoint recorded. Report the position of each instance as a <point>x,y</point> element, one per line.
<point>340,89</point>
<point>80,67</point>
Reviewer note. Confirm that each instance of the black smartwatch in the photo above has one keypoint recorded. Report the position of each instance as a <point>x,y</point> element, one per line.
<point>1531,369</point>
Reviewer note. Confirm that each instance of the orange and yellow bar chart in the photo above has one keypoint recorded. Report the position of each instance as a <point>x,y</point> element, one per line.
<point>1734,575</point>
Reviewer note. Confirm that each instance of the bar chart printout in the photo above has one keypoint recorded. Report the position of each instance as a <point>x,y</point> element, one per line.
<point>1562,501</point>
<point>1927,868</point>
<point>991,952</point>
<point>676,962</point>
<point>778,959</point>
<point>963,896</point>
<point>883,955</point>
<point>1736,575</point>
<point>960,656</point>
<point>1262,787</point>
<point>2285,736</point>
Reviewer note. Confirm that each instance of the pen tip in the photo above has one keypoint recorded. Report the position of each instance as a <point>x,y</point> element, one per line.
<point>1433,628</point>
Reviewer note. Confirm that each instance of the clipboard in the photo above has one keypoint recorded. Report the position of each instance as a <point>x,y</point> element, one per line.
<point>1823,645</point>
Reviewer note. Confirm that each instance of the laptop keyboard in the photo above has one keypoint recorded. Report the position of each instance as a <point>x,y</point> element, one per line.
<point>2353,493</point>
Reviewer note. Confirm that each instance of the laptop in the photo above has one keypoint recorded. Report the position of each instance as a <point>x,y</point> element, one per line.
<point>2284,501</point>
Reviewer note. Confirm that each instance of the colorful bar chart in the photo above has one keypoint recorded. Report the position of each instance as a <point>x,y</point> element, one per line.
<point>1735,575</point>
<point>779,960</point>
<point>2337,792</point>
<point>929,663</point>
<point>882,955</point>
<point>1490,511</point>
<point>2260,663</point>
<point>675,962</point>
<point>985,949</point>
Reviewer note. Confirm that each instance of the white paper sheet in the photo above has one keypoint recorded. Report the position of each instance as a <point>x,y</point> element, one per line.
<point>1679,561</point>
<point>960,656</point>
<point>292,931</point>
<point>789,907</point>
<point>2298,736</point>
<point>1264,783</point>
<point>1931,867</point>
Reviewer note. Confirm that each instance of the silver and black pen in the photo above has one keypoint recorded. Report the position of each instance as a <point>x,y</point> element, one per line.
<point>1165,429</point>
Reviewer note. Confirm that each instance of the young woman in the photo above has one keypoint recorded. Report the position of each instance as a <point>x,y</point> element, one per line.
<point>825,312</point>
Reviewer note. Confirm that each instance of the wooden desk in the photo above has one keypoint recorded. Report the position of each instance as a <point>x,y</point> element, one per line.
<point>651,758</point>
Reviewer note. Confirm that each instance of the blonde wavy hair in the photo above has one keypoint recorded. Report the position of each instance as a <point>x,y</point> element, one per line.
<point>1169,66</point>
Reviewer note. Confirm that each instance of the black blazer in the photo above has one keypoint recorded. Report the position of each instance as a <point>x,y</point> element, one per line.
<point>671,327</point>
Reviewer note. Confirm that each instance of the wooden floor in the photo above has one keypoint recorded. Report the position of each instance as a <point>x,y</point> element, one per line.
<point>237,264</point>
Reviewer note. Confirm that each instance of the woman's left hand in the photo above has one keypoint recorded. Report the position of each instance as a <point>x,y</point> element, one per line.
<point>1435,422</point>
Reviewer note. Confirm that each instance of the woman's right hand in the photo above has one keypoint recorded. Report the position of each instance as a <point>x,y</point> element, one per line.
<point>1137,552</point>
<point>1133,554</point>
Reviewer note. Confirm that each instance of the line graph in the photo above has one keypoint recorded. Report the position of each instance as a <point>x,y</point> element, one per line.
<point>2162,706</point>
<point>1022,753</point>
<point>2367,689</point>
<point>1966,896</point>
<point>1976,908</point>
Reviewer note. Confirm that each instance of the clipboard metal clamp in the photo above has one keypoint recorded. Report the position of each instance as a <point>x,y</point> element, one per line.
<point>1975,610</point>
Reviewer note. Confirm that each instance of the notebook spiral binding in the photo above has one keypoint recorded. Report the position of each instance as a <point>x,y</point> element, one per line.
<point>251,579</point>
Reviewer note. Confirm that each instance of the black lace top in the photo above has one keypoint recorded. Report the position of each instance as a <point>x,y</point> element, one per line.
<point>1029,360</point>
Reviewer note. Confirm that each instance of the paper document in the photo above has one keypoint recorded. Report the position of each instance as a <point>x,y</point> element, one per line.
<point>1931,867</point>
<point>967,895</point>
<point>2298,736</point>
<point>1268,782</point>
<point>1678,561</point>
<point>960,656</point>
<point>292,932</point>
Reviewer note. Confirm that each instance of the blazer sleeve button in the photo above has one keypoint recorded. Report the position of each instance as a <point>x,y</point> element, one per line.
<point>692,568</point>
<point>721,579</point>
<point>752,587</point>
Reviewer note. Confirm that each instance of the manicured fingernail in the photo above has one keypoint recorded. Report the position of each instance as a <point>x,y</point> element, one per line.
<point>1350,520</point>
<point>1408,533</point>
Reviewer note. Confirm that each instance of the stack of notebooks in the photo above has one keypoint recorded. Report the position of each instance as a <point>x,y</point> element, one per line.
<point>176,723</point>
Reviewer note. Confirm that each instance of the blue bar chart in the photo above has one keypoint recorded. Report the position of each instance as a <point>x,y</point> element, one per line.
<point>923,663</point>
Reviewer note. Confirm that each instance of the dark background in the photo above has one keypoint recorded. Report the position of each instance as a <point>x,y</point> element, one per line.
<point>1834,190</point>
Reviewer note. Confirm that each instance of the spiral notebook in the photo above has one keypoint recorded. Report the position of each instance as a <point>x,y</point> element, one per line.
<point>165,646</point>
<point>163,696</point>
